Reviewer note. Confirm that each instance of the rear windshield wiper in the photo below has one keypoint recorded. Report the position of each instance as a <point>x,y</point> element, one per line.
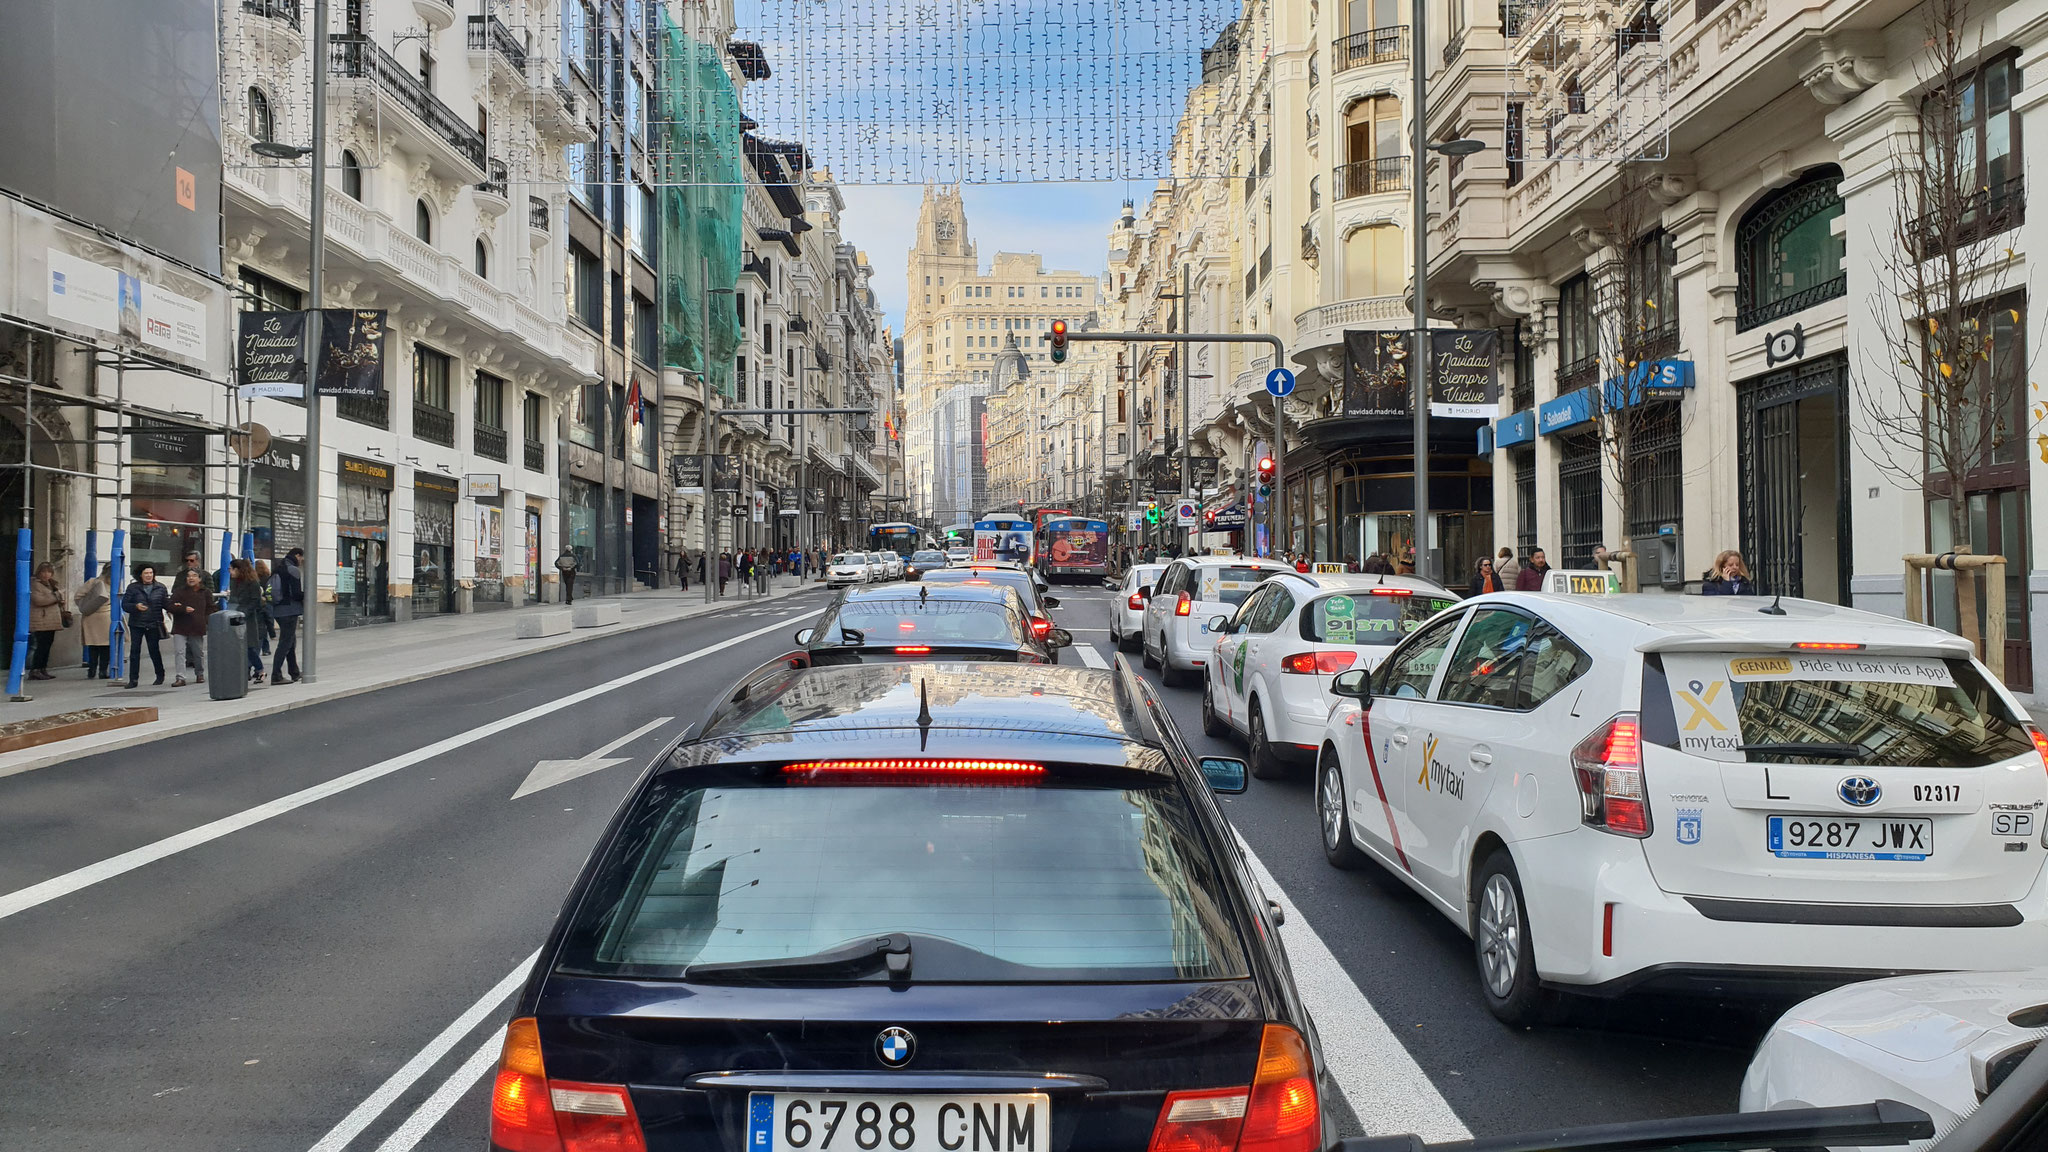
<point>1822,749</point>
<point>847,959</point>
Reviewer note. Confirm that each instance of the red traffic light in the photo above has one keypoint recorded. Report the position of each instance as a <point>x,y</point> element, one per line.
<point>1266,466</point>
<point>1059,341</point>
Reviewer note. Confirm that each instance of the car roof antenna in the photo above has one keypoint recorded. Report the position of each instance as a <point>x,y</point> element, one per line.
<point>924,714</point>
<point>1772,609</point>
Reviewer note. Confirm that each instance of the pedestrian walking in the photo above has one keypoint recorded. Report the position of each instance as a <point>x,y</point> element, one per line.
<point>246,594</point>
<point>1504,567</point>
<point>206,577</point>
<point>287,607</point>
<point>683,568</point>
<point>1484,578</point>
<point>95,604</point>
<point>191,604</point>
<point>143,603</point>
<point>1730,577</point>
<point>700,567</point>
<point>46,617</point>
<point>269,631</point>
<point>724,571</point>
<point>565,565</point>
<point>1530,578</point>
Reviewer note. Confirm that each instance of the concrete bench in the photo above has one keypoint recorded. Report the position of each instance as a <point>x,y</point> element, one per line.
<point>597,613</point>
<point>534,625</point>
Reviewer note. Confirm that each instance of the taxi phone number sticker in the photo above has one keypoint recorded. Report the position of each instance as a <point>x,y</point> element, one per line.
<point>1843,666</point>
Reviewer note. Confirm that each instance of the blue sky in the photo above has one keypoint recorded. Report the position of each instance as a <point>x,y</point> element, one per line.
<point>1067,223</point>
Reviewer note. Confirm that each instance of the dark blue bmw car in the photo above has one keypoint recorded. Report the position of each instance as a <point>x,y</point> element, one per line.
<point>920,908</point>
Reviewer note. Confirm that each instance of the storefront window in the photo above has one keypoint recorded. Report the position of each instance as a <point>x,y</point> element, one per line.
<point>433,539</point>
<point>579,526</point>
<point>167,466</point>
<point>1789,257</point>
<point>362,577</point>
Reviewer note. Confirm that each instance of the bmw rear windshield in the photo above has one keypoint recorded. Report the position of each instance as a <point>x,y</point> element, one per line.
<point>995,884</point>
<point>939,619</point>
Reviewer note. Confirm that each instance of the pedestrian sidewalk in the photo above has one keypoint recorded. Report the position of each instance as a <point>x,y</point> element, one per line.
<point>352,661</point>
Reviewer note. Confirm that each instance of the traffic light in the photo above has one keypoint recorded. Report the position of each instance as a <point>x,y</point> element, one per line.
<point>1059,341</point>
<point>1152,512</point>
<point>1267,469</point>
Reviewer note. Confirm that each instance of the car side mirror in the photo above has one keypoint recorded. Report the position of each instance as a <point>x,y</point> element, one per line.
<point>1049,601</point>
<point>1060,638</point>
<point>1145,593</point>
<point>1219,624</point>
<point>1356,683</point>
<point>1224,775</point>
<point>803,636</point>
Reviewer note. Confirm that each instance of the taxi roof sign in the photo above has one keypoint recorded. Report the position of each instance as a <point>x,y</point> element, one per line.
<point>1593,582</point>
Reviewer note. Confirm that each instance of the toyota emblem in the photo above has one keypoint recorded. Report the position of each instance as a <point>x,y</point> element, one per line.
<point>1859,791</point>
<point>895,1046</point>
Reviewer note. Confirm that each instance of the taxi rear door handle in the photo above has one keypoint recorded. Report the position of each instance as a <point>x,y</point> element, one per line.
<point>1400,738</point>
<point>1481,758</point>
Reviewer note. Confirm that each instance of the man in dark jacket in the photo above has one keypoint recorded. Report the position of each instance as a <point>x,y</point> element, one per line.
<point>1530,578</point>
<point>288,603</point>
<point>565,564</point>
<point>142,605</point>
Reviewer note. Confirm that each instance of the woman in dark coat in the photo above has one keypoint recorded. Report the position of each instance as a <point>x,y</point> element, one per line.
<point>1730,577</point>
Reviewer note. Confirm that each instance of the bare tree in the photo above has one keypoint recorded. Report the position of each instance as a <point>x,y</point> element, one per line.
<point>1941,405</point>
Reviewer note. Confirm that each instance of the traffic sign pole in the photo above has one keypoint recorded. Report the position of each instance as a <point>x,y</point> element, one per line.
<point>1279,382</point>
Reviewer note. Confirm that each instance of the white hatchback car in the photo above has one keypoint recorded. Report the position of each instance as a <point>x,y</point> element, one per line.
<point>1127,612</point>
<point>892,564</point>
<point>1174,634</point>
<point>1608,791</point>
<point>1941,1042</point>
<point>1270,679</point>
<point>847,568</point>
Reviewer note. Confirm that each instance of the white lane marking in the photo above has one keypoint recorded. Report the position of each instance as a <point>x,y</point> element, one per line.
<point>422,1121</point>
<point>1090,656</point>
<point>22,899</point>
<point>374,1105</point>
<point>1388,1091</point>
<point>548,773</point>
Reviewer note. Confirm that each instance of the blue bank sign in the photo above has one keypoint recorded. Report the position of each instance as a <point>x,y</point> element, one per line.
<point>1655,380</point>
<point>1520,428</point>
<point>1567,410</point>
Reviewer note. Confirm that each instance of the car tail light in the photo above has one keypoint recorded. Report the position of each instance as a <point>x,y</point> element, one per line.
<point>1393,591</point>
<point>1282,1114</point>
<point>1041,627</point>
<point>1136,602</point>
<point>1184,605</point>
<point>529,1114</point>
<point>912,649</point>
<point>913,771</point>
<point>1819,646</point>
<point>1608,766</point>
<point>1319,663</point>
<point>1205,1121</point>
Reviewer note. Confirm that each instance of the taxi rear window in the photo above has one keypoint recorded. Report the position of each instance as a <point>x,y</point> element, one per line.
<point>992,884</point>
<point>1368,619</point>
<point>1228,585</point>
<point>923,621</point>
<point>1829,708</point>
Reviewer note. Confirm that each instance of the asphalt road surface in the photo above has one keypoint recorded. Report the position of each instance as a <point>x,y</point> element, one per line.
<point>303,931</point>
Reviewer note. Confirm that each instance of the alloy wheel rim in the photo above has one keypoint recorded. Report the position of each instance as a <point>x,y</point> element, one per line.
<point>1500,935</point>
<point>1333,807</point>
<point>1258,735</point>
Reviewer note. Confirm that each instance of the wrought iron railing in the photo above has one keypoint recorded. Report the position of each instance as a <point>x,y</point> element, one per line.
<point>372,410</point>
<point>497,178</point>
<point>490,442</point>
<point>538,212</point>
<point>285,10</point>
<point>1576,374</point>
<point>1454,48</point>
<point>489,32</point>
<point>1786,305</point>
<point>1373,46</point>
<point>1367,177</point>
<point>1988,213</point>
<point>536,456</point>
<point>359,57</point>
<point>436,425</point>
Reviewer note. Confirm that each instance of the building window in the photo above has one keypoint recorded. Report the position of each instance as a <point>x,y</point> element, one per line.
<point>1373,152</point>
<point>1515,143</point>
<point>1522,395</point>
<point>432,417</point>
<point>427,70</point>
<point>1981,153</point>
<point>1578,345</point>
<point>351,176</point>
<point>1374,264</point>
<point>482,258</point>
<point>1641,30</point>
<point>1578,488</point>
<point>589,286</point>
<point>583,420</point>
<point>646,332</point>
<point>422,221</point>
<point>534,421</point>
<point>1655,472</point>
<point>260,293</point>
<point>262,128</point>
<point>1525,500</point>
<point>1788,256</point>
<point>490,401</point>
<point>1652,282</point>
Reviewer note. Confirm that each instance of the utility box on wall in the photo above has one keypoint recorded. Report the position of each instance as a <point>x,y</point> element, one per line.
<point>1660,558</point>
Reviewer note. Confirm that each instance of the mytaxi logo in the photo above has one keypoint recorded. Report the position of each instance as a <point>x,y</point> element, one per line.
<point>1701,701</point>
<point>1428,757</point>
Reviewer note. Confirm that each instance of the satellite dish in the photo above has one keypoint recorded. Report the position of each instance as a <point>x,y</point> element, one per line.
<point>249,440</point>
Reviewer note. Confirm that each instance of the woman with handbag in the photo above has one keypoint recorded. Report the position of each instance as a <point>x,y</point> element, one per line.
<point>144,603</point>
<point>46,616</point>
<point>95,621</point>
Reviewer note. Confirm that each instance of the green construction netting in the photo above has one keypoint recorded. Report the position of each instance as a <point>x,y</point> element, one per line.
<point>696,129</point>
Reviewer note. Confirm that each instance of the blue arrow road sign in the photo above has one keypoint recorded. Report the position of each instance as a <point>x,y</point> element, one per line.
<point>1280,381</point>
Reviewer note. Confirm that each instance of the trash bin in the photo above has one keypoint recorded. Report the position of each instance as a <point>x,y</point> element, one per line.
<point>227,656</point>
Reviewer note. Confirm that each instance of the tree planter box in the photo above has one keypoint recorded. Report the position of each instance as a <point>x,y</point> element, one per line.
<point>70,725</point>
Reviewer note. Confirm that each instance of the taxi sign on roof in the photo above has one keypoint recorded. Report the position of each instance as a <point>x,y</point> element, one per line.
<point>1595,582</point>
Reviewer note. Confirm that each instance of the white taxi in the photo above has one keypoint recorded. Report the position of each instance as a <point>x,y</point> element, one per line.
<point>1173,634</point>
<point>1270,679</point>
<point>1610,791</point>
<point>1127,613</point>
<point>848,568</point>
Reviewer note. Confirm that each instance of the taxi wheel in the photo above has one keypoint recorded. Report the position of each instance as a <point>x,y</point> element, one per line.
<point>1212,724</point>
<point>1173,677</point>
<point>1503,949</point>
<point>1145,653</point>
<point>1264,765</point>
<point>1338,847</point>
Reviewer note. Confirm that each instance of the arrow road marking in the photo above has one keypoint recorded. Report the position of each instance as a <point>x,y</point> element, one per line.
<point>549,773</point>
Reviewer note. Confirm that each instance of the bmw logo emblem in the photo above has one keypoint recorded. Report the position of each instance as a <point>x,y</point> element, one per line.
<point>895,1046</point>
<point>1860,791</point>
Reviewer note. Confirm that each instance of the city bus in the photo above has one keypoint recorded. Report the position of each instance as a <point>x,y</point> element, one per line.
<point>1073,548</point>
<point>902,539</point>
<point>1001,536</point>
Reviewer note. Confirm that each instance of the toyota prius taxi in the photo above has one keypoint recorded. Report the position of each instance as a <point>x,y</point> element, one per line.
<point>1611,791</point>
